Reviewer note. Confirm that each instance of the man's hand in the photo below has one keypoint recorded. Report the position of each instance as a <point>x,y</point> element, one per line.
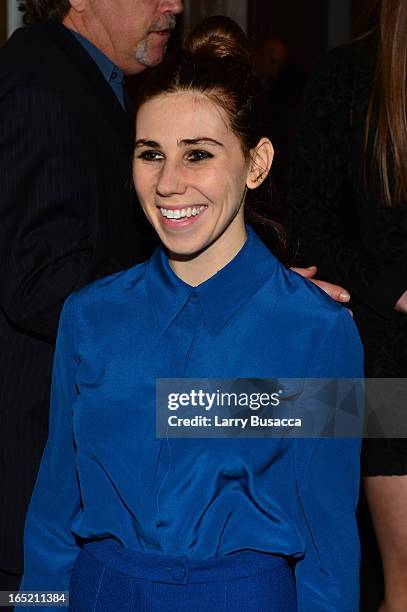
<point>339,294</point>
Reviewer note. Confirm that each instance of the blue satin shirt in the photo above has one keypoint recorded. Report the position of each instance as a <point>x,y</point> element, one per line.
<point>104,473</point>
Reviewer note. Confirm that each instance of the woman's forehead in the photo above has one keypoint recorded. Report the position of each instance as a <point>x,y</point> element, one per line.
<point>185,115</point>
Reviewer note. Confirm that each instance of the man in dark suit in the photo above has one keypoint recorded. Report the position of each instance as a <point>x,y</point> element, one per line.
<point>66,214</point>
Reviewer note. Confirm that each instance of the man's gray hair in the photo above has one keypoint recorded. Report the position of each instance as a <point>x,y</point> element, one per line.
<point>43,10</point>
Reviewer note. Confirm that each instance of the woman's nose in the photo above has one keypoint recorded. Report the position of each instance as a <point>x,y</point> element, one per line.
<point>171,179</point>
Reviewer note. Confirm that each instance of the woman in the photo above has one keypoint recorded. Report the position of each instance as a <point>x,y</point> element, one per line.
<point>348,200</point>
<point>126,519</point>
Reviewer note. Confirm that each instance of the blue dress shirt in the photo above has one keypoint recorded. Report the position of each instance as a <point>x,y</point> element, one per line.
<point>104,473</point>
<point>113,75</point>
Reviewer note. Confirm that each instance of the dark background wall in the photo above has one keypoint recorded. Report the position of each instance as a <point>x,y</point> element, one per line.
<point>307,27</point>
<point>301,25</point>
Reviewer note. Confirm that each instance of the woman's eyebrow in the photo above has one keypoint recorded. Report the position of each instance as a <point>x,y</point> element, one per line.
<point>142,142</point>
<point>200,140</point>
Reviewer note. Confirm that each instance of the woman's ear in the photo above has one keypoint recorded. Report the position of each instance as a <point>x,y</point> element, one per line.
<point>261,158</point>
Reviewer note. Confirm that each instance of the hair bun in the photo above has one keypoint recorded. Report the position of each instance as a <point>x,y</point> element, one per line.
<point>219,38</point>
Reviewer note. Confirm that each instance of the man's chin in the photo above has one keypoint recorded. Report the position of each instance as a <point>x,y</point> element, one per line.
<point>155,48</point>
<point>155,57</point>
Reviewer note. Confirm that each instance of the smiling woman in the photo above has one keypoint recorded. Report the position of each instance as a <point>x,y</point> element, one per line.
<point>192,183</point>
<point>128,521</point>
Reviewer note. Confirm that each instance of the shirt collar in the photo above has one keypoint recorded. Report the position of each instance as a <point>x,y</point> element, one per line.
<point>220,296</point>
<point>109,70</point>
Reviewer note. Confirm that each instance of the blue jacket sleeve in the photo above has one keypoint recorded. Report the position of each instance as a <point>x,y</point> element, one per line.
<point>50,548</point>
<point>328,472</point>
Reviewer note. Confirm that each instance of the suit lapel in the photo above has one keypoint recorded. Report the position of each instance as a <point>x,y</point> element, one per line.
<point>122,121</point>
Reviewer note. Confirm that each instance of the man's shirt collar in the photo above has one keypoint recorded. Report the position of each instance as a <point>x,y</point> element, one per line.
<point>109,70</point>
<point>220,296</point>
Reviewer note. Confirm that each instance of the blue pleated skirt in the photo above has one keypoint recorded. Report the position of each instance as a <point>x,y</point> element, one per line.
<point>109,578</point>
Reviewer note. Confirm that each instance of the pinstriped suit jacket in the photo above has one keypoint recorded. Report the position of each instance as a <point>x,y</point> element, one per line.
<point>66,218</point>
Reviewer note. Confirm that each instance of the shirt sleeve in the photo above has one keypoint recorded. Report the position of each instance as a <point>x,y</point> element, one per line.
<point>328,472</point>
<point>50,548</point>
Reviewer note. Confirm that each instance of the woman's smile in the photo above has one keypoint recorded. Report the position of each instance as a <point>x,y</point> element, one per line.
<point>181,216</point>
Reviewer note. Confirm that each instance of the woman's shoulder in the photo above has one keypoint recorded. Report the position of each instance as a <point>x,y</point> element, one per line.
<point>99,295</point>
<point>324,326</point>
<point>307,304</point>
<point>305,290</point>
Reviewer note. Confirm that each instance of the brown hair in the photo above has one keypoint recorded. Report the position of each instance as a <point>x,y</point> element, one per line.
<point>43,10</point>
<point>386,124</point>
<point>215,61</point>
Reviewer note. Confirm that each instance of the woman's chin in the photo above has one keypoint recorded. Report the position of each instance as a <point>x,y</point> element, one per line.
<point>183,249</point>
<point>183,246</point>
<point>183,253</point>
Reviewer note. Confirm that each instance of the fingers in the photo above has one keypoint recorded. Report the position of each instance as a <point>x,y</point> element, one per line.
<point>306,272</point>
<point>337,293</point>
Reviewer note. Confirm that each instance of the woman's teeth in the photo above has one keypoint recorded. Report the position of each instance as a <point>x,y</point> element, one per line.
<point>181,213</point>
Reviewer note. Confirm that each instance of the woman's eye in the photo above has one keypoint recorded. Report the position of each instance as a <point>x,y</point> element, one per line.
<point>196,156</point>
<point>151,155</point>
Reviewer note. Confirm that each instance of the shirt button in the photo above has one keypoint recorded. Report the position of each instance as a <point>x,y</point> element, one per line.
<point>178,572</point>
<point>114,75</point>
